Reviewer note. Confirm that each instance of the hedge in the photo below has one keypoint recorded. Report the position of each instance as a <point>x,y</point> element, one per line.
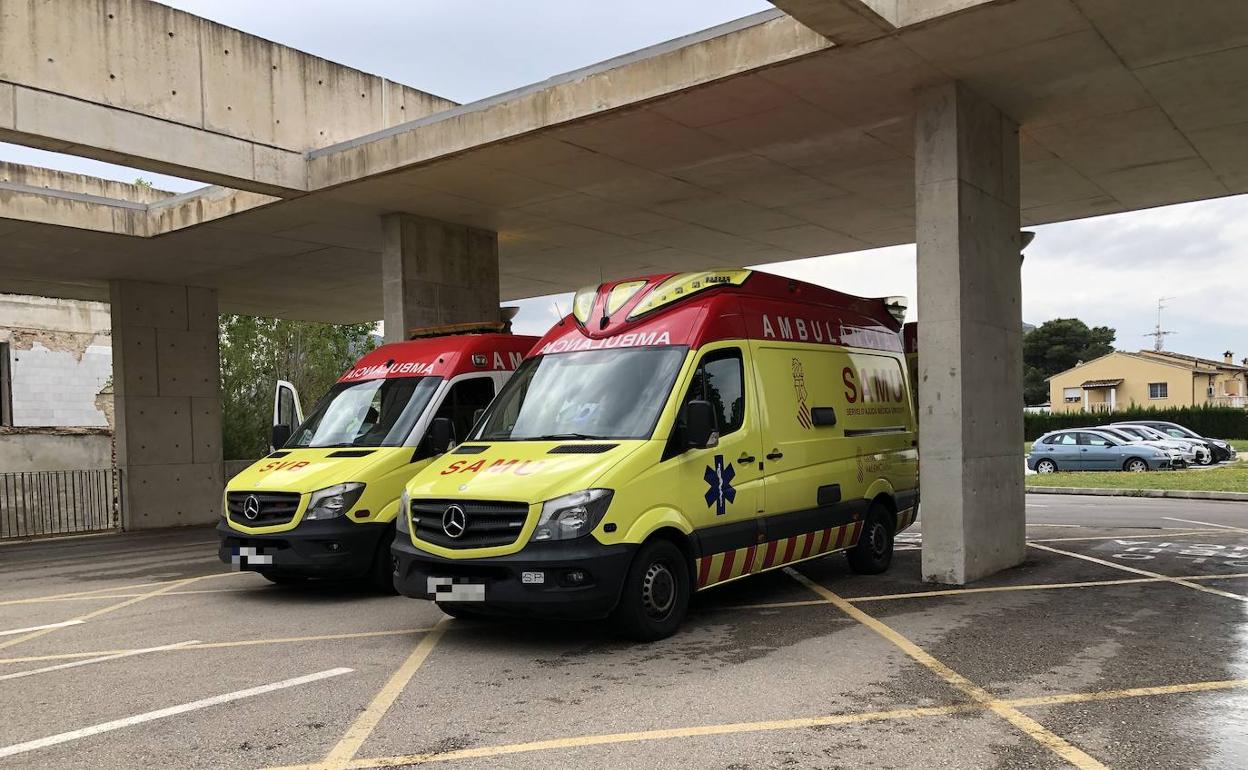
<point>1216,422</point>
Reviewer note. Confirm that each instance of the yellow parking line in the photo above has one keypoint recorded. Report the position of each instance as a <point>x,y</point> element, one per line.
<point>1030,727</point>
<point>88,594</point>
<point>235,643</point>
<point>984,590</point>
<point>1176,580</point>
<point>583,741</point>
<point>102,611</point>
<point>345,750</point>
<point>1171,533</point>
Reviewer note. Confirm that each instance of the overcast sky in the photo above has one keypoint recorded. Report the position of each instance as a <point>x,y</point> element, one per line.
<point>1107,271</point>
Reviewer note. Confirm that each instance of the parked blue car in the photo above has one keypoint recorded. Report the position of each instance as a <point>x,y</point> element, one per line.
<point>1086,449</point>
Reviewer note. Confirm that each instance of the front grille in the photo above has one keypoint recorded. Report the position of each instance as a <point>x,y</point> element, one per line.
<point>275,508</point>
<point>489,523</point>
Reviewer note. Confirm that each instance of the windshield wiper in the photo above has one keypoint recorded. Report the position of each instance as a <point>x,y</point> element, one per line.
<point>564,437</point>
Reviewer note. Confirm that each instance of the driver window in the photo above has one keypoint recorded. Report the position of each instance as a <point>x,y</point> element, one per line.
<point>720,380</point>
<point>463,400</point>
<point>1091,439</point>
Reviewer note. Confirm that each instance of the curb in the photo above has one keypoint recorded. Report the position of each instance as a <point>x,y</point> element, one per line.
<point>1181,494</point>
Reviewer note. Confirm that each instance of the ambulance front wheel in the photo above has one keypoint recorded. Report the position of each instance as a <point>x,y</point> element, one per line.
<point>656,593</point>
<point>874,551</point>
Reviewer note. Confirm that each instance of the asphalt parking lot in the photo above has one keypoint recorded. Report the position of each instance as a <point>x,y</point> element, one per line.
<point>1122,642</point>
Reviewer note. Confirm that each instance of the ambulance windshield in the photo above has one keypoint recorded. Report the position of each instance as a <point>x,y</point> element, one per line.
<point>378,412</point>
<point>615,393</point>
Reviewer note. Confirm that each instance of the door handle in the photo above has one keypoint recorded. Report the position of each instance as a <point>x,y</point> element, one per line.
<point>774,455</point>
<point>745,459</point>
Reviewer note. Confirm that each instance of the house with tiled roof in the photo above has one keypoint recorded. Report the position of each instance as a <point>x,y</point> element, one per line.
<point>1145,378</point>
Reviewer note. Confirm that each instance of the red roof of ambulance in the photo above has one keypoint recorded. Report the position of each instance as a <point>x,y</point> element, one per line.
<point>447,356</point>
<point>763,306</point>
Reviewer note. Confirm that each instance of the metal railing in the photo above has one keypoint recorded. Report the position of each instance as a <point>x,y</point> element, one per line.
<point>36,503</point>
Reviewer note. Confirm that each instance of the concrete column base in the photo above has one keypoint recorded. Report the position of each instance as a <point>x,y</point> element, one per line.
<point>167,394</point>
<point>970,336</point>
<point>436,273</point>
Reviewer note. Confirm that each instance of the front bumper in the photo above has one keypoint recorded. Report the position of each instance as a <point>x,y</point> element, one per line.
<point>335,548</point>
<point>498,581</point>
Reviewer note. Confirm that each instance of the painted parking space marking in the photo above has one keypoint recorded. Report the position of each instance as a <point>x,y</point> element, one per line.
<point>1125,568</point>
<point>346,748</point>
<point>45,627</point>
<point>697,731</point>
<point>225,645</point>
<point>99,659</point>
<point>1206,524</point>
<point>1025,724</point>
<point>150,716</point>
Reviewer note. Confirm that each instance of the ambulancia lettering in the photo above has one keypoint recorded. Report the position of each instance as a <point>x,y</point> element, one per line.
<point>799,329</point>
<point>630,340</point>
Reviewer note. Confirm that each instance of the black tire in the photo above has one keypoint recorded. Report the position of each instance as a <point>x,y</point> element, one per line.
<point>380,575</point>
<point>874,550</point>
<point>1135,465</point>
<point>1046,466</point>
<point>656,593</point>
<point>277,578</point>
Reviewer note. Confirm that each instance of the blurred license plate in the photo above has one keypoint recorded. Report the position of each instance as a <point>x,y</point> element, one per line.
<point>445,589</point>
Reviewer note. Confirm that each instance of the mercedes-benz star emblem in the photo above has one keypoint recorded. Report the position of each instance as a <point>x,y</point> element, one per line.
<point>454,521</point>
<point>251,507</point>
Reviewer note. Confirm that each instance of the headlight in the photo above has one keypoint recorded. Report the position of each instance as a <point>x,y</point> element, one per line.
<point>332,502</point>
<point>571,516</point>
<point>403,522</point>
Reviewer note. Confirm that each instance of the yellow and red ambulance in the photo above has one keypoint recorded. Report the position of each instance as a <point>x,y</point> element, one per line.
<point>673,433</point>
<point>323,503</point>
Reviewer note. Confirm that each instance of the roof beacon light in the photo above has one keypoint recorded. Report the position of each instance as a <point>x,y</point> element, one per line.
<point>472,327</point>
<point>897,307</point>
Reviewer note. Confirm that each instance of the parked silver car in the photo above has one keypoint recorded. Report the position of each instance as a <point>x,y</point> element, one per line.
<point>1200,454</point>
<point>1090,449</point>
<point>1187,453</point>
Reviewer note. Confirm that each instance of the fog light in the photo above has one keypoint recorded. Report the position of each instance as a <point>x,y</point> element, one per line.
<point>334,547</point>
<point>575,577</point>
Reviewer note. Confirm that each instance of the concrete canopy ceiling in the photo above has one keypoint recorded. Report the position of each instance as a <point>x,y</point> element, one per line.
<point>758,142</point>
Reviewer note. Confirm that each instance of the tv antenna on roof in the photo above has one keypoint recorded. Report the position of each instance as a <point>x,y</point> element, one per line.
<point>1159,336</point>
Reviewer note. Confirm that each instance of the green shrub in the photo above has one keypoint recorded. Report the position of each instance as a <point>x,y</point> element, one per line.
<point>1213,421</point>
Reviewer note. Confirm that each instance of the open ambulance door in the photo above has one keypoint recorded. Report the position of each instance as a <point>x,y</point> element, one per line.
<point>287,413</point>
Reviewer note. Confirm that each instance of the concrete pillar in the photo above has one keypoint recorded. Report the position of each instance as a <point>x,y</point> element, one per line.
<point>436,273</point>
<point>167,393</point>
<point>971,335</point>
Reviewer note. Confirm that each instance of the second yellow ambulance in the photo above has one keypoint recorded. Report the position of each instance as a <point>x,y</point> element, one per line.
<point>674,433</point>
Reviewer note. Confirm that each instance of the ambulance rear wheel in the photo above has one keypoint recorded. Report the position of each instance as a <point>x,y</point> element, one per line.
<point>874,551</point>
<point>656,593</point>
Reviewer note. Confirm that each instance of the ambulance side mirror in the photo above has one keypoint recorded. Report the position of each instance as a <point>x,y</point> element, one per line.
<point>441,435</point>
<point>281,434</point>
<point>700,429</point>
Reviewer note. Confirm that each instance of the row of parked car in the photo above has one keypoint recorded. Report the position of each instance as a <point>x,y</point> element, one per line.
<point>1137,445</point>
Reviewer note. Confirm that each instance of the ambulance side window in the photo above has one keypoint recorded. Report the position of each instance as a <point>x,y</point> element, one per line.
<point>720,380</point>
<point>462,402</point>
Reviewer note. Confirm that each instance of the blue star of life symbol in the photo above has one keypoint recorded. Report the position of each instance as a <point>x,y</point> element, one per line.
<point>719,490</point>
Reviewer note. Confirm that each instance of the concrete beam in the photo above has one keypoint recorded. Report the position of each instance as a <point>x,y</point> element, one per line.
<point>970,336</point>
<point>844,22</point>
<point>436,273</point>
<point>137,82</point>
<point>751,43</point>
